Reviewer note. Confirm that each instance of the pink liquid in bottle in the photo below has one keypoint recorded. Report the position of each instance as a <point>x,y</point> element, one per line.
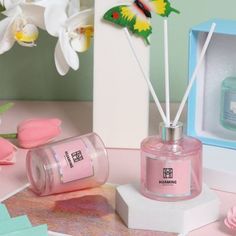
<point>171,165</point>
<point>71,164</point>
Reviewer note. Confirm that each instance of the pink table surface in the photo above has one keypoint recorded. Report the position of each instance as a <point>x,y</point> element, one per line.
<point>77,119</point>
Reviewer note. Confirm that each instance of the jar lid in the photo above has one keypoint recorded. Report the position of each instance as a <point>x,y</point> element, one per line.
<point>171,133</point>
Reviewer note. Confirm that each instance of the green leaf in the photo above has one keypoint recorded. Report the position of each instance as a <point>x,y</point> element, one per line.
<point>9,136</point>
<point>6,107</point>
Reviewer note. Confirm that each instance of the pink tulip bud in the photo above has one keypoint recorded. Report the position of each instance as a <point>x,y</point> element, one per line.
<point>230,220</point>
<point>7,152</point>
<point>35,132</point>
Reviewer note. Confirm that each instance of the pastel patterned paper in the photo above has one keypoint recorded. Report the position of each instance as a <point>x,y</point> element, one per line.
<point>14,224</point>
<point>86,212</point>
<point>35,231</point>
<point>4,215</point>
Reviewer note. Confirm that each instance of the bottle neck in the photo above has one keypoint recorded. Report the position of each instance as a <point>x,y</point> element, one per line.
<point>171,133</point>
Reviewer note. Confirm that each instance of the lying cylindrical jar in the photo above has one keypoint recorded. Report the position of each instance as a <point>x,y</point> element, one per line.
<point>68,165</point>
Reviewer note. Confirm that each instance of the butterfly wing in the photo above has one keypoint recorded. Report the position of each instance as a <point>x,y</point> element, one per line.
<point>117,16</point>
<point>162,7</point>
<point>142,28</point>
<point>125,16</point>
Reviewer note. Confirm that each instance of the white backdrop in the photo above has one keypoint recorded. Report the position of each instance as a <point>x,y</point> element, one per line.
<point>120,114</point>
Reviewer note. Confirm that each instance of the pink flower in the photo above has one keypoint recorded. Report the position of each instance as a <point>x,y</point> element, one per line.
<point>7,152</point>
<point>230,220</point>
<point>35,132</point>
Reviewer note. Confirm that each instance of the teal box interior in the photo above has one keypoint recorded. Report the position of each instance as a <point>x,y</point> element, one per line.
<point>204,104</point>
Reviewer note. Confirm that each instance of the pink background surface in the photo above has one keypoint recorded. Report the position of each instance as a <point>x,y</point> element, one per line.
<point>77,119</point>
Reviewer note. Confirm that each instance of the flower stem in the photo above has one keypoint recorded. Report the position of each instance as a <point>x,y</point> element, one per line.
<point>9,136</point>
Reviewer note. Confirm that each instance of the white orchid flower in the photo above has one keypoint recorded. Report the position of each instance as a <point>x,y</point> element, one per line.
<point>20,25</point>
<point>74,33</point>
<point>73,7</point>
<point>9,4</point>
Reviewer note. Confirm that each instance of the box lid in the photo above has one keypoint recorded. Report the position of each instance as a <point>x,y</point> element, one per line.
<point>222,26</point>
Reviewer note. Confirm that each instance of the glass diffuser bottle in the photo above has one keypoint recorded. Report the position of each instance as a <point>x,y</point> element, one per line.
<point>228,103</point>
<point>71,164</point>
<point>171,165</point>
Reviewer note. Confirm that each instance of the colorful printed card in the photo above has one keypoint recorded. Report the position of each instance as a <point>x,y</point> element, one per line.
<point>87,212</point>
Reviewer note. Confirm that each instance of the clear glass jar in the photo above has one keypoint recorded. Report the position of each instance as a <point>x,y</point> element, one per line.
<point>171,165</point>
<point>228,103</point>
<point>71,164</point>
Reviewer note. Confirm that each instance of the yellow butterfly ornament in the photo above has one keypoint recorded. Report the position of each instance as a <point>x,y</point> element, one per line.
<point>136,16</point>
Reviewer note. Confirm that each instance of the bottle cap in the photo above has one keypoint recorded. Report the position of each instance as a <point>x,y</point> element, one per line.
<point>171,133</point>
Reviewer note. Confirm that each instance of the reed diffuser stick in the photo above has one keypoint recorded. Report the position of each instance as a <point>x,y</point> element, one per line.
<point>167,76</point>
<point>194,75</point>
<point>151,89</point>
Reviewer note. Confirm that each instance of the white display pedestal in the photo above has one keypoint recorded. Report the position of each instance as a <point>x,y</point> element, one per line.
<point>139,212</point>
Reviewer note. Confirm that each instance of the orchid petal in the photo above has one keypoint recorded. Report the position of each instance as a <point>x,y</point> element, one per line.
<point>60,61</point>
<point>7,40</point>
<point>55,16</point>
<point>8,4</point>
<point>70,55</point>
<point>73,7</point>
<point>43,3</point>
<point>34,14</point>
<point>13,11</point>
<point>4,25</point>
<point>81,43</point>
<point>82,18</point>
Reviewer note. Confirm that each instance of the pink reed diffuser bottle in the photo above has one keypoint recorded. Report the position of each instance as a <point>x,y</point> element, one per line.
<point>171,165</point>
<point>71,164</point>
